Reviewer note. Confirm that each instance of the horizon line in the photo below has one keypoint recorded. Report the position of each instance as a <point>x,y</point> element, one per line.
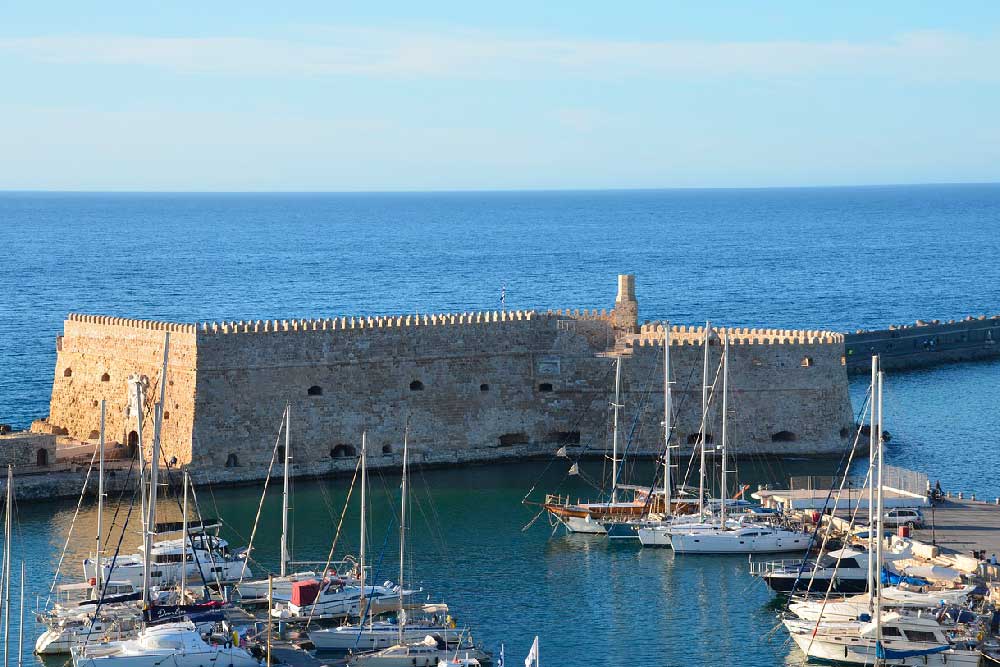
<point>82,191</point>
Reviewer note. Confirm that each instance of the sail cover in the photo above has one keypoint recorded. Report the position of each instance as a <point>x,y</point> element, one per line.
<point>883,653</point>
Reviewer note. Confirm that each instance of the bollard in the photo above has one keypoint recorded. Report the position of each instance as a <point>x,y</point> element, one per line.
<point>997,501</point>
<point>972,496</point>
<point>948,494</point>
<point>961,495</point>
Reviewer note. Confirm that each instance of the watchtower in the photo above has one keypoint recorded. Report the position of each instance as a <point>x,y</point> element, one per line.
<point>626,312</point>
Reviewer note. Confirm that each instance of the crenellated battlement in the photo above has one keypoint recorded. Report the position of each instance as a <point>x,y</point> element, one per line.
<point>370,322</point>
<point>651,334</point>
<point>149,325</point>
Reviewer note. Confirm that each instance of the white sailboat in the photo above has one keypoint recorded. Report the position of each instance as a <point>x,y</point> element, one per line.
<point>719,536</point>
<point>881,637</point>
<point>281,586</point>
<point>338,598</point>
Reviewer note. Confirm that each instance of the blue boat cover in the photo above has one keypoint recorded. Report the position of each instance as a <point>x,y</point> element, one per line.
<point>890,578</point>
<point>883,653</point>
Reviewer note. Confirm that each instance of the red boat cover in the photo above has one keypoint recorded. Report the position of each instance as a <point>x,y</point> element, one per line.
<point>304,592</point>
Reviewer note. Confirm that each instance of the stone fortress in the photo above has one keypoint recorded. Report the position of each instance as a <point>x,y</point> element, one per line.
<point>472,386</point>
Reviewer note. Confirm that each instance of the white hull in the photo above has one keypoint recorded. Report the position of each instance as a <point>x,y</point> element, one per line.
<point>654,536</point>
<point>862,652</point>
<point>585,525</point>
<point>62,638</point>
<point>281,587</point>
<point>167,574</point>
<point>419,658</point>
<point>848,609</point>
<point>743,541</point>
<point>351,638</point>
<point>219,657</point>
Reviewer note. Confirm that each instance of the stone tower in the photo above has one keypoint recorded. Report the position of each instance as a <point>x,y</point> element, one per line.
<point>626,312</point>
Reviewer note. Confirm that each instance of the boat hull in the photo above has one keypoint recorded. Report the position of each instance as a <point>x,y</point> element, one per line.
<point>782,583</point>
<point>862,652</point>
<point>729,543</point>
<point>654,537</point>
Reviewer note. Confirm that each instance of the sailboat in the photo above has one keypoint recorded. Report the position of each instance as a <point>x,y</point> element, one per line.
<point>882,637</point>
<point>281,586</point>
<point>720,536</point>
<point>591,517</point>
<point>432,619</point>
<point>338,598</point>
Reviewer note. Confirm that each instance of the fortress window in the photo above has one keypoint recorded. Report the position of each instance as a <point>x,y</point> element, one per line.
<point>105,378</point>
<point>416,385</point>
<point>564,437</point>
<point>232,461</point>
<point>806,362</point>
<point>545,387</point>
<point>315,390</point>
<point>844,432</point>
<point>133,439</point>
<point>484,387</point>
<point>343,452</point>
<point>693,439</point>
<point>511,439</point>
<point>166,415</point>
<point>783,436</point>
<point>281,452</point>
<point>387,449</point>
<point>94,435</point>
<point>42,457</point>
<point>68,373</point>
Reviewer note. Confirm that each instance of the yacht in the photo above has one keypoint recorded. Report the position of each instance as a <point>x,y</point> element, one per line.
<point>850,608</point>
<point>895,639</point>
<point>208,558</point>
<point>839,571</point>
<point>173,644</point>
<point>433,620</point>
<point>427,653</point>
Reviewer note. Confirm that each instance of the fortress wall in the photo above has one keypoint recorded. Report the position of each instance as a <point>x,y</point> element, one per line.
<point>96,354</point>
<point>777,405</point>
<point>480,388</point>
<point>473,386</point>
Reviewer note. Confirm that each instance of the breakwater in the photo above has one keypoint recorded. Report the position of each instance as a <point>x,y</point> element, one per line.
<point>924,343</point>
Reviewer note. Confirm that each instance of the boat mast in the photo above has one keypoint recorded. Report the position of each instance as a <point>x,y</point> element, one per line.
<point>614,437</point>
<point>872,445</point>
<point>704,420</point>
<point>725,391</point>
<point>402,532</point>
<point>184,540</point>
<point>8,538</point>
<point>154,463</point>
<point>137,393</point>
<point>878,521</point>
<point>364,483</point>
<point>667,408</point>
<point>20,625</point>
<point>100,505</point>
<point>284,495</point>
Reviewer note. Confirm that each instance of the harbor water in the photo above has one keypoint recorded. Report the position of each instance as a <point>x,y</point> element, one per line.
<point>810,258</point>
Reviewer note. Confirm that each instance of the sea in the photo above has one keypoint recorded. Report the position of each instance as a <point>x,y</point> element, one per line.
<point>814,258</point>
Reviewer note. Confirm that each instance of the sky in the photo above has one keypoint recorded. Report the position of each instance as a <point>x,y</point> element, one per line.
<point>340,96</point>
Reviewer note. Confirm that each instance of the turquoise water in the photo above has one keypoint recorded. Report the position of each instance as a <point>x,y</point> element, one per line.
<point>815,258</point>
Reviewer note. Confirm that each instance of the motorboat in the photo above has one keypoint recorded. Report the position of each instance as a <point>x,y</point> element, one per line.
<point>174,644</point>
<point>433,619</point>
<point>205,557</point>
<point>427,653</point>
<point>895,639</point>
<point>839,571</point>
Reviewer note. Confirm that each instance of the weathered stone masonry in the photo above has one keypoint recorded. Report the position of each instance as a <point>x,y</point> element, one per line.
<point>473,386</point>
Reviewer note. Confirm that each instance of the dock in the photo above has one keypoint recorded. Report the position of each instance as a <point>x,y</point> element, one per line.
<point>962,526</point>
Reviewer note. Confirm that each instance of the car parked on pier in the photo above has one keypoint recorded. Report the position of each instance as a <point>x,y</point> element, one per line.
<point>904,516</point>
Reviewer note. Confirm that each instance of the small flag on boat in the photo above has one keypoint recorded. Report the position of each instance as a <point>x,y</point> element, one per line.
<point>574,469</point>
<point>500,660</point>
<point>532,659</point>
<point>562,452</point>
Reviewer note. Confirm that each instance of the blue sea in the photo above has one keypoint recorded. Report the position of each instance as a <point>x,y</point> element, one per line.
<point>823,258</point>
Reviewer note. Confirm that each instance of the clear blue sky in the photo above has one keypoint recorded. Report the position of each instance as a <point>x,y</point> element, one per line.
<point>464,95</point>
